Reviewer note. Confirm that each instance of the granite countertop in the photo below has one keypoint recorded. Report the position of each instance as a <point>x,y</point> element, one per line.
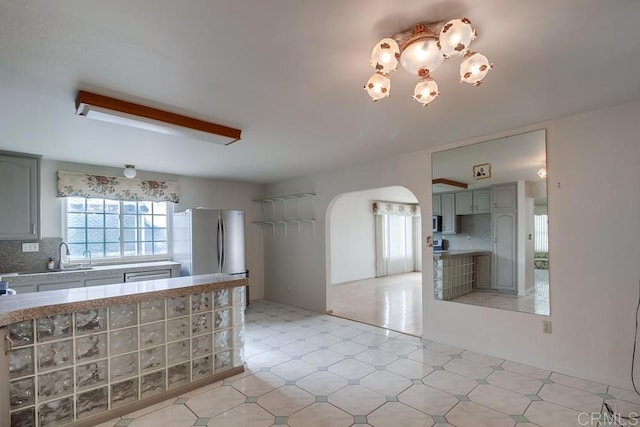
<point>16,308</point>
<point>26,279</point>
<point>469,252</point>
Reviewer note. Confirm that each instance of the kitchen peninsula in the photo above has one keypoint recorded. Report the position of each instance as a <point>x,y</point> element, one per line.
<point>85,355</point>
<point>456,273</point>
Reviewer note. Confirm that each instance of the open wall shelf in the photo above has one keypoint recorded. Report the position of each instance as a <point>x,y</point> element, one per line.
<point>287,209</point>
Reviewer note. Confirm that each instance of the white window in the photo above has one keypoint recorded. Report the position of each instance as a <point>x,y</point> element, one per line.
<point>112,229</point>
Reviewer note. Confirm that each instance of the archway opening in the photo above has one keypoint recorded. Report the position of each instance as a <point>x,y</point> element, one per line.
<point>375,258</point>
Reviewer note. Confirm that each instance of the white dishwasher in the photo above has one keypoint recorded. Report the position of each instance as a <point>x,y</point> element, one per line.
<point>141,276</point>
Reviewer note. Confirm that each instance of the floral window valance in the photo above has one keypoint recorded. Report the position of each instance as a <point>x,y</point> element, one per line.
<point>386,208</point>
<point>72,184</point>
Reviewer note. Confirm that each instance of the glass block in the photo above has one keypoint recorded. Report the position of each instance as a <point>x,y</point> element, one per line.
<point>91,402</point>
<point>239,297</point>
<point>22,393</point>
<point>153,383</point>
<point>152,311</point>
<point>55,354</point>
<point>21,362</point>
<point>123,315</point>
<point>179,351</point>
<point>201,302</point>
<point>221,298</point>
<point>56,412</point>
<point>91,321</point>
<point>123,366</point>
<point>55,383</point>
<point>91,374</point>
<point>201,323</point>
<point>222,361</point>
<point>201,345</point>
<point>178,306</point>
<point>24,418</point>
<point>202,367</point>
<point>91,347</point>
<point>179,375</point>
<point>54,327</point>
<point>222,340</point>
<point>222,319</point>
<point>21,333</point>
<point>238,316</point>
<point>152,358</point>
<point>178,328</point>
<point>151,334</point>
<point>123,341</point>
<point>238,337</point>
<point>124,392</point>
<point>238,356</point>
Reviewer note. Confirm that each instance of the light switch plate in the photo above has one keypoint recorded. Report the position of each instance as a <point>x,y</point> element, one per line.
<point>546,326</point>
<point>31,247</point>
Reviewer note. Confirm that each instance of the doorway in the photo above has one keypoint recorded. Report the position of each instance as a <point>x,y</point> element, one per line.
<point>375,262</point>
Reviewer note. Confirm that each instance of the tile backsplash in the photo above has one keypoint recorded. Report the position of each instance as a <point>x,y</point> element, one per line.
<point>12,259</point>
<point>477,227</point>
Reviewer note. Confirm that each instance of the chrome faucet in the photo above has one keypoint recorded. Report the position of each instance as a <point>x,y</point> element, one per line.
<point>61,262</point>
<point>84,254</point>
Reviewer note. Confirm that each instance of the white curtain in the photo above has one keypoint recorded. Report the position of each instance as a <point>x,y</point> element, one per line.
<point>396,244</point>
<point>541,237</point>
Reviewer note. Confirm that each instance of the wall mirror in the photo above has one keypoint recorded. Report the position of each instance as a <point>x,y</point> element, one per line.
<point>490,224</point>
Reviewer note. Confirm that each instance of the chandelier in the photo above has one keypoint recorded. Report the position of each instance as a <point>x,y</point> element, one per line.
<point>420,51</point>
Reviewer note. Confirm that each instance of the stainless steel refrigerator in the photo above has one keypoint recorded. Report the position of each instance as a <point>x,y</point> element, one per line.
<point>209,241</point>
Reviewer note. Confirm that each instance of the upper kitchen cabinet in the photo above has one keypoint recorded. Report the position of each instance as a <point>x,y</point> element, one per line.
<point>449,219</point>
<point>505,197</point>
<point>19,196</point>
<point>473,201</point>
<point>436,204</point>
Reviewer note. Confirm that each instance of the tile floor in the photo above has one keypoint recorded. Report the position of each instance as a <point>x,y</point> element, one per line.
<point>392,302</point>
<point>537,302</point>
<point>308,369</point>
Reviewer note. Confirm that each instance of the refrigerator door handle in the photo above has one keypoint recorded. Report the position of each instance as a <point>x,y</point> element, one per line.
<point>219,237</point>
<point>223,248</point>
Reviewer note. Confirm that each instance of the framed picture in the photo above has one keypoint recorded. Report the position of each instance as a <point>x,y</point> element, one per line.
<point>482,171</point>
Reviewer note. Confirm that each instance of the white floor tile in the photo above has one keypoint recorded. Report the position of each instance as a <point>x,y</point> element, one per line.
<point>247,415</point>
<point>215,402</point>
<point>322,383</point>
<point>386,383</point>
<point>356,399</point>
<point>320,415</point>
<point>286,400</point>
<point>428,399</point>
<point>175,416</point>
<point>515,382</point>
<point>258,384</point>
<point>549,414</point>
<point>395,414</point>
<point>450,383</point>
<point>505,401</point>
<point>469,414</point>
<point>351,369</point>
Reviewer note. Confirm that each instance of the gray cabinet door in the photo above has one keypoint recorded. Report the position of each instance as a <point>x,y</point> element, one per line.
<point>19,198</point>
<point>504,251</point>
<point>436,204</point>
<point>449,220</point>
<point>54,286</point>
<point>482,201</point>
<point>464,202</point>
<point>505,197</point>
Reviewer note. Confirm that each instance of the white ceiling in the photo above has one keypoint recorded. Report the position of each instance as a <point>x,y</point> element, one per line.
<point>289,73</point>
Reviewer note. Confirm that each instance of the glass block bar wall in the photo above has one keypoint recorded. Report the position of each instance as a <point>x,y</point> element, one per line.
<point>71,366</point>
<point>453,276</point>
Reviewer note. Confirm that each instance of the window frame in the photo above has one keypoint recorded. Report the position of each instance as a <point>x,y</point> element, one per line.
<point>122,258</point>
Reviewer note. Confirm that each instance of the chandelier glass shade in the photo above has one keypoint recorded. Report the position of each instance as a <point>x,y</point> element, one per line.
<point>421,51</point>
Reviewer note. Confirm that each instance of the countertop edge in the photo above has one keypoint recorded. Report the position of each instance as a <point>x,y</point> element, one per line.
<point>27,313</point>
<point>450,254</point>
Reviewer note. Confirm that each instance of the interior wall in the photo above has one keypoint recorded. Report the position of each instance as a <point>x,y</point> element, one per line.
<point>353,254</point>
<point>194,192</point>
<point>593,291</point>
